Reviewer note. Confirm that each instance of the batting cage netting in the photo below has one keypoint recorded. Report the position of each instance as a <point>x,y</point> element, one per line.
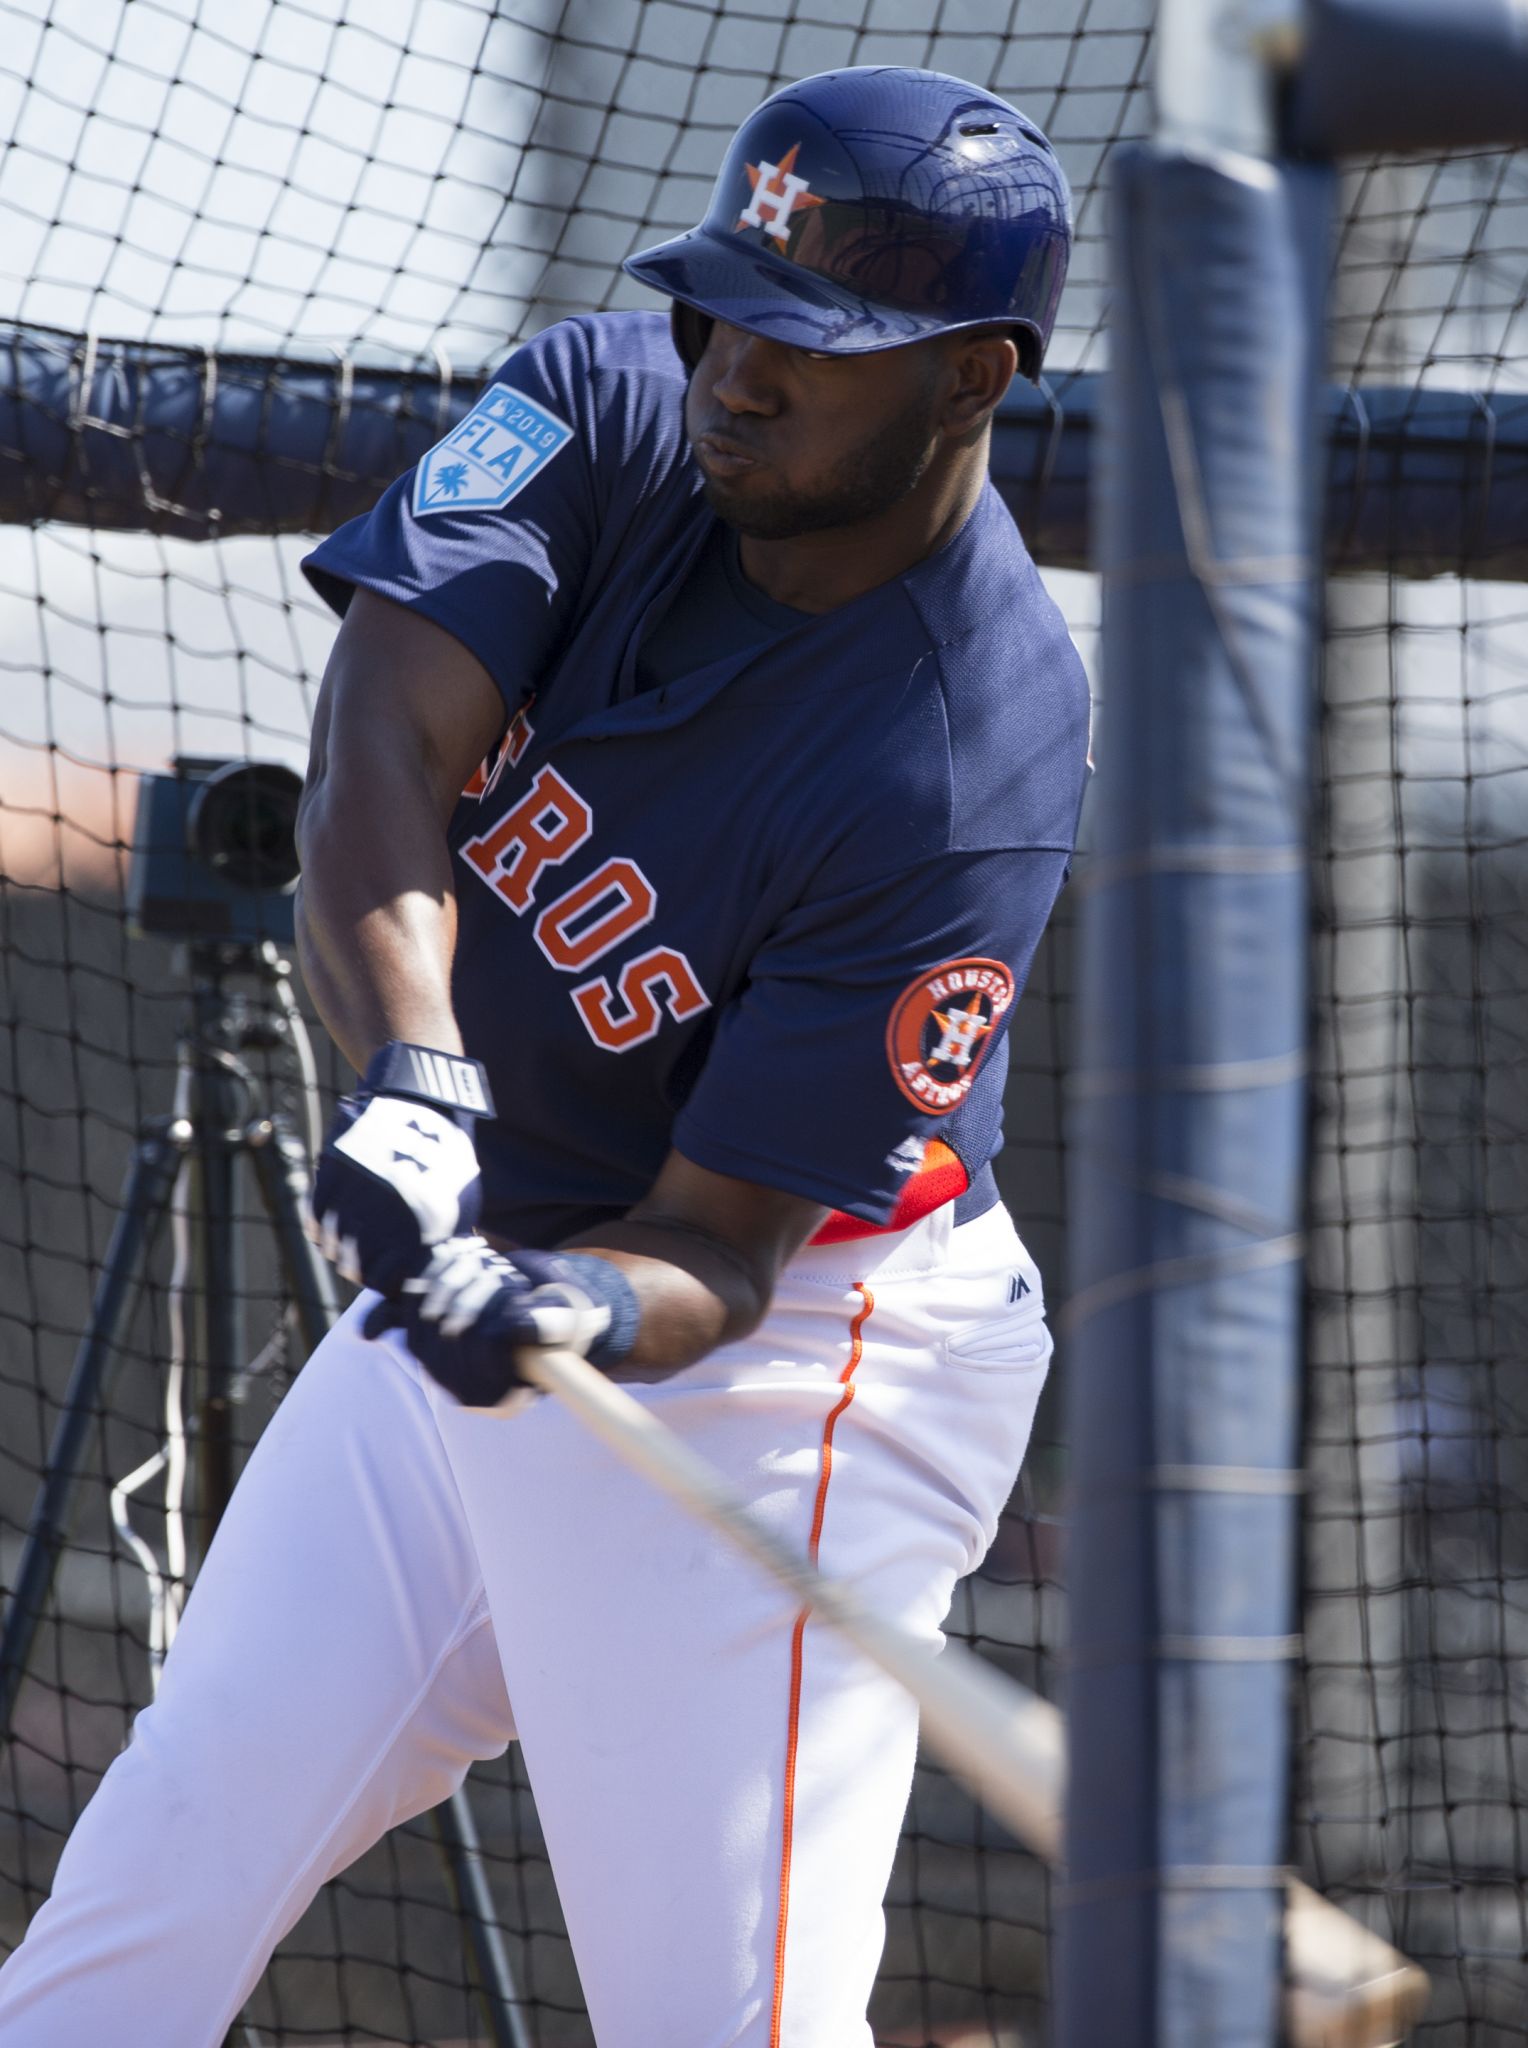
<point>1412,1772</point>
<point>253,260</point>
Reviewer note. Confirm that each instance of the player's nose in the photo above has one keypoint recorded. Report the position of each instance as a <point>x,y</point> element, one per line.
<point>742,370</point>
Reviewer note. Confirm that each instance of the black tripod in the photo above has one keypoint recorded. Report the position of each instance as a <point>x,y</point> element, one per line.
<point>220,1117</point>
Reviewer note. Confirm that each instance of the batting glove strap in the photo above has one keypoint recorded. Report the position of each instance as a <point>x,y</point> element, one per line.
<point>583,1303</point>
<point>570,1299</point>
<point>473,1310</point>
<point>444,1079</point>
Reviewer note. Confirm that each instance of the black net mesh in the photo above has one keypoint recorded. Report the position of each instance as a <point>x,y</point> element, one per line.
<point>1413,1771</point>
<point>416,186</point>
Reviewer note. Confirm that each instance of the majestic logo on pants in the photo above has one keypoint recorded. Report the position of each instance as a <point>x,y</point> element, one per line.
<point>941,1029</point>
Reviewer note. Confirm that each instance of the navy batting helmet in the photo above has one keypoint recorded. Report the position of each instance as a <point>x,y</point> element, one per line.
<point>867,208</point>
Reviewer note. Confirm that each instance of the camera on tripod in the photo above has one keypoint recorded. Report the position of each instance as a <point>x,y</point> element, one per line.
<point>215,853</point>
<point>214,865</point>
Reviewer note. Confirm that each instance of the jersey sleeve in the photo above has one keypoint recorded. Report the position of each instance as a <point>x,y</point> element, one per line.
<point>490,534</point>
<point>869,1024</point>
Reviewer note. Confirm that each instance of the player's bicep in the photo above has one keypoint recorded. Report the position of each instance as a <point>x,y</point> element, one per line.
<point>719,1228</point>
<point>765,1224</point>
<point>403,703</point>
<point>703,1252</point>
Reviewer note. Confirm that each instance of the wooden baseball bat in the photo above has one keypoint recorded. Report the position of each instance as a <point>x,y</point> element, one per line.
<point>1346,1987</point>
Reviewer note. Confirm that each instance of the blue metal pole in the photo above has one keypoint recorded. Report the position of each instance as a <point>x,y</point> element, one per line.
<point>1189,1119</point>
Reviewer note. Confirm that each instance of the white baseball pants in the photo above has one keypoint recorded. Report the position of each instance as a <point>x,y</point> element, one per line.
<point>401,1586</point>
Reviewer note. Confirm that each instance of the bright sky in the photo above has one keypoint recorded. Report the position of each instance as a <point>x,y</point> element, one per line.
<point>286,172</point>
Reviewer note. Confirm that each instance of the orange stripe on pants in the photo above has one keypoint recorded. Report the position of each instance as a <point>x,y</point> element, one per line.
<point>825,1473</point>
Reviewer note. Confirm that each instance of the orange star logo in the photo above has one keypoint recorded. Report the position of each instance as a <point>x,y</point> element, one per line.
<point>777,192</point>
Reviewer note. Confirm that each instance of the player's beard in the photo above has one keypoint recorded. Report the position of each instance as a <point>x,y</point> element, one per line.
<point>882,471</point>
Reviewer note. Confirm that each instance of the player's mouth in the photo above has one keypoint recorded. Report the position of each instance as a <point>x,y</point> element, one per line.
<point>720,457</point>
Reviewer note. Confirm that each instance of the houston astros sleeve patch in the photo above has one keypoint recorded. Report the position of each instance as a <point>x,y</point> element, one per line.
<point>490,456</point>
<point>941,1027</point>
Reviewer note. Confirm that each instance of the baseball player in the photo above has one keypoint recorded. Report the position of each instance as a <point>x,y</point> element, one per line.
<point>698,763</point>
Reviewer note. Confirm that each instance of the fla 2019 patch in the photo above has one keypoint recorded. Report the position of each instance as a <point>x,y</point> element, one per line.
<point>490,456</point>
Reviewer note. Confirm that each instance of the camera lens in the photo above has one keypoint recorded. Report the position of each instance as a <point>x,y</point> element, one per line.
<point>243,824</point>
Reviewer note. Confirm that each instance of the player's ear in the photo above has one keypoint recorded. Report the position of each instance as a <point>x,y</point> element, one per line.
<point>691,331</point>
<point>981,366</point>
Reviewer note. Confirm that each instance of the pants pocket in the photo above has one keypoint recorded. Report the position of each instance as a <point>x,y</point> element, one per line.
<point>1010,1344</point>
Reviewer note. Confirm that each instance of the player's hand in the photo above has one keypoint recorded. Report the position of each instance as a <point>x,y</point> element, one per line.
<point>398,1174</point>
<point>473,1308</point>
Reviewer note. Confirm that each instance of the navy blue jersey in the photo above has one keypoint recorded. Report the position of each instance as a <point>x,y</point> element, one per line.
<point>716,612</point>
<point>773,912</point>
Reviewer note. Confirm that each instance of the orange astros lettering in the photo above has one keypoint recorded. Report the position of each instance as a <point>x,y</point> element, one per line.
<point>628,1014</point>
<point>549,824</point>
<point>586,921</point>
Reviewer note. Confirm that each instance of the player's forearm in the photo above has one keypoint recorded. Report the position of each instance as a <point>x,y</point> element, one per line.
<point>376,926</point>
<point>695,1291</point>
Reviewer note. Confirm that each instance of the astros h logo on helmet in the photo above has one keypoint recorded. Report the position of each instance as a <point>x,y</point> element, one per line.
<point>779,201</point>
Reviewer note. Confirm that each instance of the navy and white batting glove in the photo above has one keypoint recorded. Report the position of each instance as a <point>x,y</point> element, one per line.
<point>398,1174</point>
<point>473,1308</point>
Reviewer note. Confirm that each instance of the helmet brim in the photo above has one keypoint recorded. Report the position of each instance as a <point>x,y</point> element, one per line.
<point>780,300</point>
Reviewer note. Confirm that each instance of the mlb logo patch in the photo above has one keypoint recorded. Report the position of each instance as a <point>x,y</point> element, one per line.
<point>497,449</point>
